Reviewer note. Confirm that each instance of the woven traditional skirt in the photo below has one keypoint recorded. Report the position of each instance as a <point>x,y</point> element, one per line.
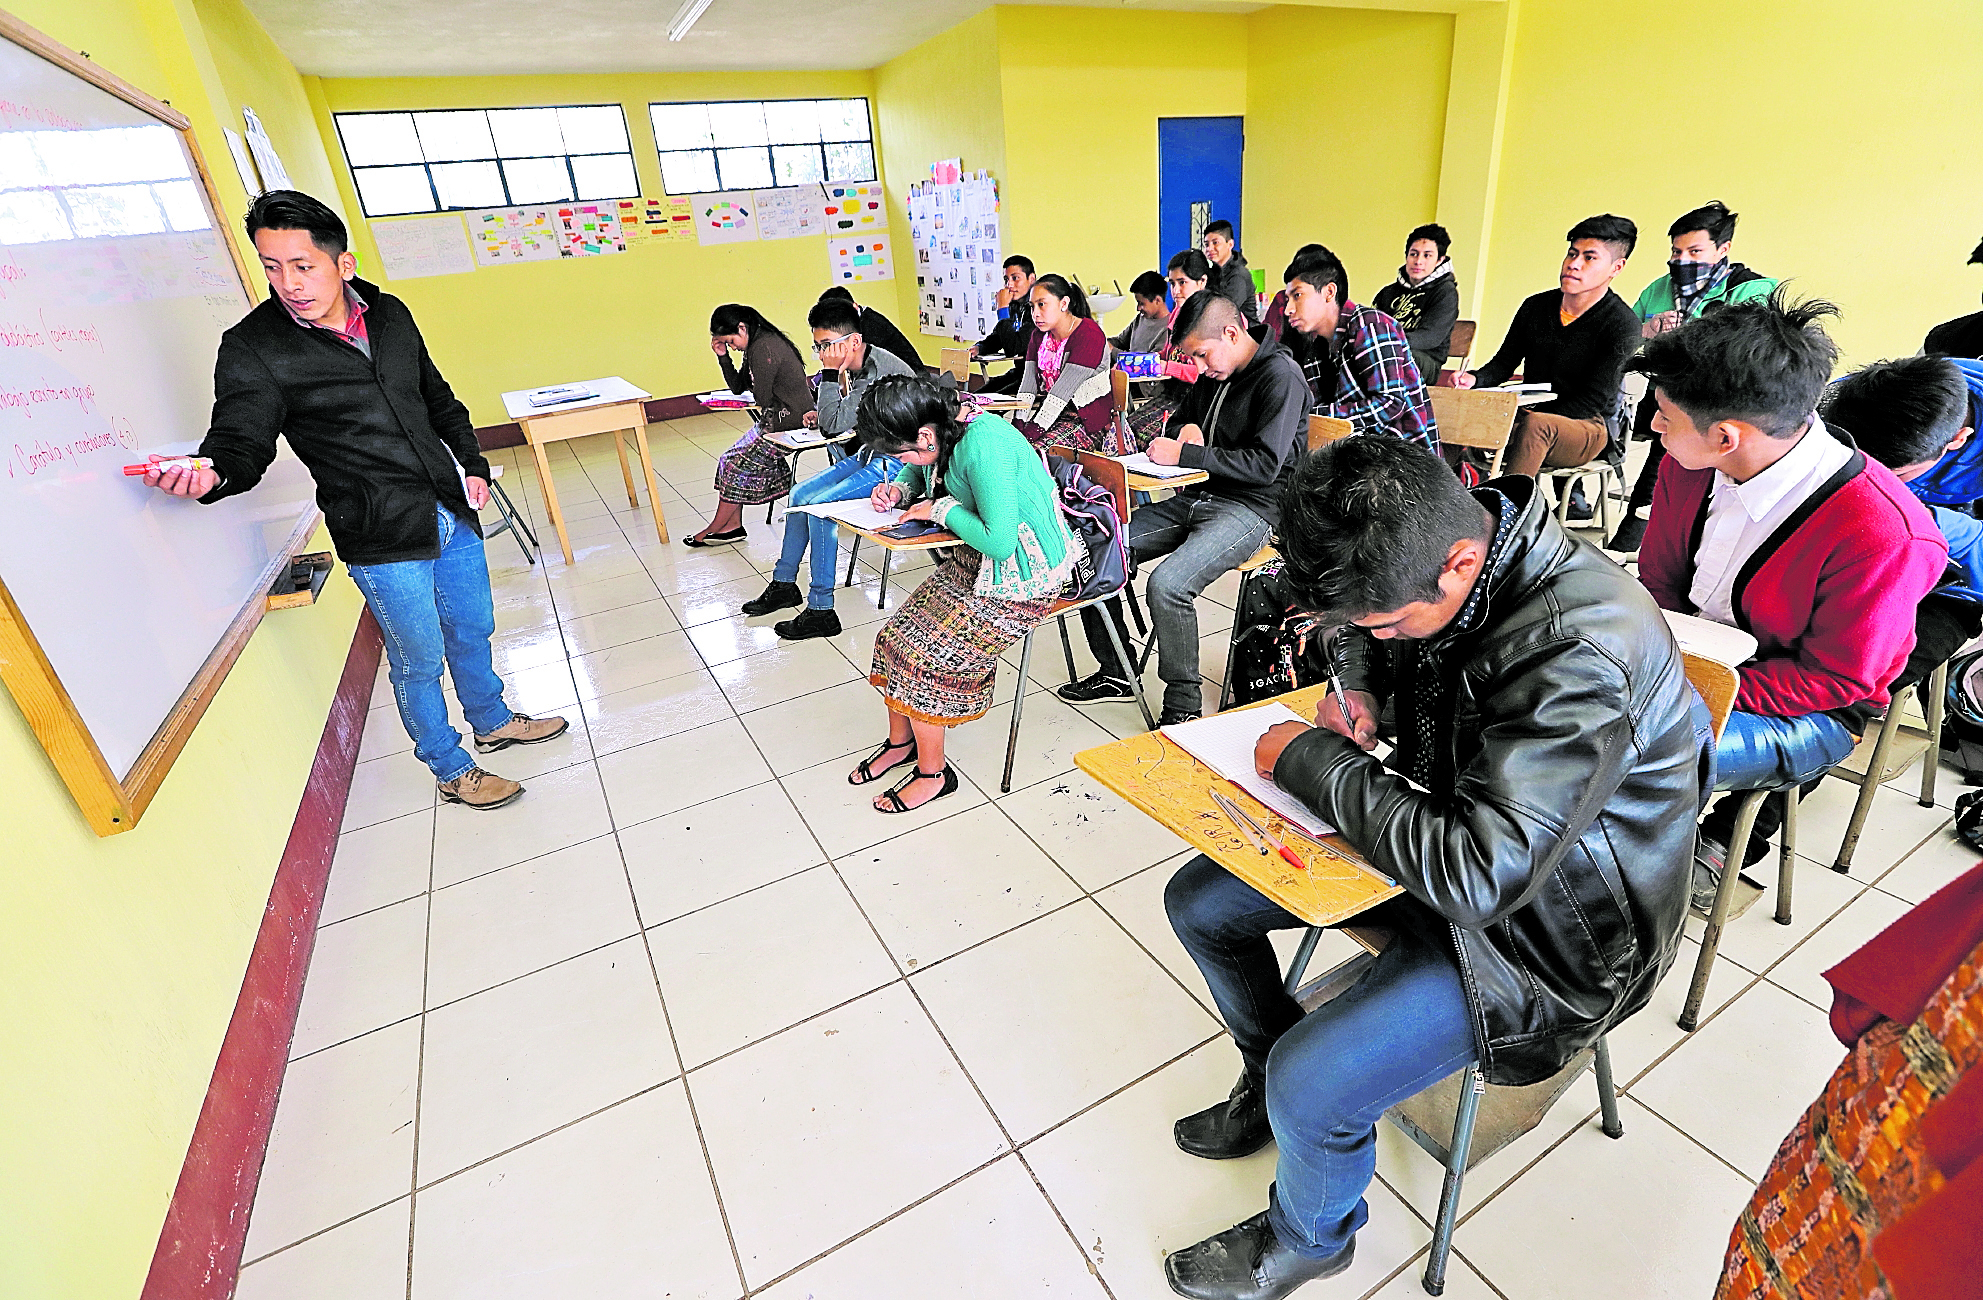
<point>1067,431</point>
<point>753,471</point>
<point>936,658</point>
<point>1150,420</point>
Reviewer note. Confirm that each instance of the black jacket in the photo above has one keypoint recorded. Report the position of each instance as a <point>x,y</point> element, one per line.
<point>380,435</point>
<point>880,332</point>
<point>1255,425</point>
<point>1554,852</point>
<point>1010,337</point>
<point>1426,311</point>
<point>1583,361</point>
<point>1234,280</point>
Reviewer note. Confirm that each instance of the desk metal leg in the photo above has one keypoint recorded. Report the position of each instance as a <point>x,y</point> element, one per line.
<point>509,508</point>
<point>1018,706</point>
<point>647,470</point>
<point>887,558</point>
<point>626,471</point>
<point>1302,955</point>
<point>853,554</point>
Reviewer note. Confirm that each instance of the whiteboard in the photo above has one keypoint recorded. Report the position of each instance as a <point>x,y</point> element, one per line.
<point>115,285</point>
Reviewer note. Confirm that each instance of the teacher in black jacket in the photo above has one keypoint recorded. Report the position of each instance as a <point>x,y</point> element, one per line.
<point>339,368</point>
<point>1537,813</point>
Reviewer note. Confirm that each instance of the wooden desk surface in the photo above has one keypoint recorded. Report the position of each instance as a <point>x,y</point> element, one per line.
<point>1151,483</point>
<point>1170,785</point>
<point>813,441</point>
<point>609,391</point>
<point>928,542</point>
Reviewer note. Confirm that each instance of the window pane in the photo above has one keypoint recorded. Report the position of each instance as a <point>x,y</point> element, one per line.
<point>798,164</point>
<point>114,210</point>
<point>375,139</point>
<point>791,121</point>
<point>736,124</point>
<point>605,176</point>
<point>526,132</point>
<point>181,201</point>
<point>537,180</point>
<point>844,119</point>
<point>594,130</point>
<point>850,162</point>
<point>689,172</point>
<point>744,169</point>
<point>468,185</point>
<point>389,191</point>
<point>680,126</point>
<point>31,217</point>
<point>446,136</point>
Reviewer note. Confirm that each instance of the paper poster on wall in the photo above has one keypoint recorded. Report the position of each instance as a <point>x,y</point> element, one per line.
<point>855,259</point>
<point>790,213</point>
<point>728,218</point>
<point>505,235</point>
<point>259,144</point>
<point>954,230</point>
<point>242,163</point>
<point>853,208</point>
<point>589,230</point>
<point>419,246</point>
<point>648,223</point>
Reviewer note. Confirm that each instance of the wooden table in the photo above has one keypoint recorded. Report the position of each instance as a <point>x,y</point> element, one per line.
<point>1170,785</point>
<point>1151,482</point>
<point>616,407</point>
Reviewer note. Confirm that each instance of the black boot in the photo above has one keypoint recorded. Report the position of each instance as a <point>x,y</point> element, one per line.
<point>1580,506</point>
<point>811,623</point>
<point>779,595</point>
<point>1629,535</point>
<point>1248,1262</point>
<point>1235,1127</point>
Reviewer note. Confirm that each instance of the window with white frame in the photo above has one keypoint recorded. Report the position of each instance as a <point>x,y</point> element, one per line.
<point>487,157</point>
<point>761,144</point>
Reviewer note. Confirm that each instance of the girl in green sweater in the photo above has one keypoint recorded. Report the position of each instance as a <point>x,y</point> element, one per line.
<point>936,659</point>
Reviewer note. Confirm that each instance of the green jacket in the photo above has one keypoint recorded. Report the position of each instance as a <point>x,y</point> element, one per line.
<point>997,482</point>
<point>1741,285</point>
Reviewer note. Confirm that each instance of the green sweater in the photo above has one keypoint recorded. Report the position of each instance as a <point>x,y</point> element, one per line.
<point>997,481</point>
<point>1658,295</point>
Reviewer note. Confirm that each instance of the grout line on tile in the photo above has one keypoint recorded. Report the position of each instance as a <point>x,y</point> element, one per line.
<point>420,1063</point>
<point>332,1227</point>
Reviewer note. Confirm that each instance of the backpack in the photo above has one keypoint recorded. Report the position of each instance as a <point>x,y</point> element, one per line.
<point>1096,536</point>
<point>1275,647</point>
<point>1962,716</point>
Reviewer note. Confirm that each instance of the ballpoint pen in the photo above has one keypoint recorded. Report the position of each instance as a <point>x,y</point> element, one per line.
<point>1267,837</point>
<point>1239,819</point>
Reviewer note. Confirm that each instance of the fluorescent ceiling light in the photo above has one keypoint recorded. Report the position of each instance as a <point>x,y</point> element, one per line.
<point>685,17</point>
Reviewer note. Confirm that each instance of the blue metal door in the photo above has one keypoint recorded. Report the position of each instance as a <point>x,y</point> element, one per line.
<point>1198,179</point>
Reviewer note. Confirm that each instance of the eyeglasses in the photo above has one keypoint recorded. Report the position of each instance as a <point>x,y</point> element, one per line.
<point>819,348</point>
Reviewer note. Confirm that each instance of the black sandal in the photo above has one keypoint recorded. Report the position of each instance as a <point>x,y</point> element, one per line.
<point>867,771</point>
<point>894,794</point>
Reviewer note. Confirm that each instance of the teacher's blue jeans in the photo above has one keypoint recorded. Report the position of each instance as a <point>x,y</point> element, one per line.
<point>434,612</point>
<point>845,480</point>
<point>1756,752</point>
<point>1331,1073</point>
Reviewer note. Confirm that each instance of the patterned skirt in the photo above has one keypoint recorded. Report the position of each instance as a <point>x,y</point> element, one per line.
<point>1150,420</point>
<point>1067,431</point>
<point>936,658</point>
<point>753,471</point>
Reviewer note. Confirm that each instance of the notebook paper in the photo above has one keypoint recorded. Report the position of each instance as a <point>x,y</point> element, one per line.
<point>1140,463</point>
<point>856,512</point>
<point>1224,742</point>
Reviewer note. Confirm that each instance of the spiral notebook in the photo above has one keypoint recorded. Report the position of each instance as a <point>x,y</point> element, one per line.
<point>1224,742</point>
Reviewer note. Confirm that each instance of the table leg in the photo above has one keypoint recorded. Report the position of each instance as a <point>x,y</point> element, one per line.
<point>647,470</point>
<point>550,492</point>
<point>619,445</point>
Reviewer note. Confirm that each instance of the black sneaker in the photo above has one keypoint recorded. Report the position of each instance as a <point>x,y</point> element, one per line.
<point>1710,861</point>
<point>1581,509</point>
<point>1630,534</point>
<point>1094,689</point>
<point>812,623</point>
<point>1171,717</point>
<point>779,595</point>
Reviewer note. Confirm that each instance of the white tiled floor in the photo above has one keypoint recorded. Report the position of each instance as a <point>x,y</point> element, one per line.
<point>691,1020</point>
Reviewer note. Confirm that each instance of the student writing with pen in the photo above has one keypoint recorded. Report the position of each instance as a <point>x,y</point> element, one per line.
<point>1548,757</point>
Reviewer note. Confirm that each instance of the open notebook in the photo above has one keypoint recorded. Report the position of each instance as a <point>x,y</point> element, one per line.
<point>1140,463</point>
<point>856,512</point>
<point>1224,742</point>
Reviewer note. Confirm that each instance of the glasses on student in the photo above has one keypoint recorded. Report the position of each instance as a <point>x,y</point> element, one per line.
<point>819,348</point>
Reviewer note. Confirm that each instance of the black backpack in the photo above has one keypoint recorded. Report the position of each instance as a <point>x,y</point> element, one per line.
<point>1275,647</point>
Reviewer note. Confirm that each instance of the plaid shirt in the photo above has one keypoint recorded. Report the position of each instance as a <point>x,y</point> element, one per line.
<point>354,331</point>
<point>1366,375</point>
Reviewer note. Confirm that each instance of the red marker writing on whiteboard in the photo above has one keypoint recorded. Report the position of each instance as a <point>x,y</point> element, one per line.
<point>163,463</point>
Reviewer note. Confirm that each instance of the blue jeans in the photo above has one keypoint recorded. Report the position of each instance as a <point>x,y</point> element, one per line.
<point>1762,753</point>
<point>1205,537</point>
<point>1330,1073</point>
<point>435,611</point>
<point>844,480</point>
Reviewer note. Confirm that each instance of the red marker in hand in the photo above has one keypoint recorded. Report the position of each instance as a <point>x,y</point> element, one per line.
<point>164,463</point>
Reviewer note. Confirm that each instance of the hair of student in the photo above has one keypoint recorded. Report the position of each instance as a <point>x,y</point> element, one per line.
<point>839,315</point>
<point>1192,263</point>
<point>837,293</point>
<point>1023,263</point>
<point>1203,315</point>
<point>725,319</point>
<point>896,407</point>
<point>1433,231</point>
<point>1763,362</point>
<point>1715,218</point>
<point>295,210</point>
<point>1220,227</point>
<point>1149,285</point>
<point>1901,412</point>
<point>1976,256</point>
<point>1367,524</point>
<point>1060,287</point>
<point>1316,266</point>
<point>1618,232</point>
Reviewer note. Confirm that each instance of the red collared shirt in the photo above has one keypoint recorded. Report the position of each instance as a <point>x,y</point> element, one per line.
<point>354,331</point>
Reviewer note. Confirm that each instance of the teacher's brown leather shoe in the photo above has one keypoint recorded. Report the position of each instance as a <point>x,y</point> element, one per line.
<point>521,729</point>
<point>478,789</point>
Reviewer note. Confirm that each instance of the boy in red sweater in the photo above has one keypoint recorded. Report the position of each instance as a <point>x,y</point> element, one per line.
<point>1764,519</point>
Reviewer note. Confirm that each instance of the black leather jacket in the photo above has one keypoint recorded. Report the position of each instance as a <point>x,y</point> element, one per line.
<point>1554,860</point>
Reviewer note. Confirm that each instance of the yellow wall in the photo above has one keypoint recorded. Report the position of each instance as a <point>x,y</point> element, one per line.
<point>641,314</point>
<point>1838,132</point>
<point>1345,115</point>
<point>122,957</point>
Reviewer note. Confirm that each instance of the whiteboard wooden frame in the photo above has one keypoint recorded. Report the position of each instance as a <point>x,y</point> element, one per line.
<point>110,803</point>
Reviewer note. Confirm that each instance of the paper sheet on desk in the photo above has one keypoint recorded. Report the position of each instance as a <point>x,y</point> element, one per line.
<point>1224,742</point>
<point>1140,463</point>
<point>856,512</point>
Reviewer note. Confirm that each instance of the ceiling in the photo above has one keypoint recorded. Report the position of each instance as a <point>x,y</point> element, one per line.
<point>427,38</point>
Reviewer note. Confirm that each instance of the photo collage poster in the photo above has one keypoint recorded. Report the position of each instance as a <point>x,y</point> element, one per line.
<point>954,225</point>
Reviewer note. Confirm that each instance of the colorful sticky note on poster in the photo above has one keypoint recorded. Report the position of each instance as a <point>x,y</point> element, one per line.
<point>852,208</point>
<point>589,230</point>
<point>856,259</point>
<point>507,235</point>
<point>728,218</point>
